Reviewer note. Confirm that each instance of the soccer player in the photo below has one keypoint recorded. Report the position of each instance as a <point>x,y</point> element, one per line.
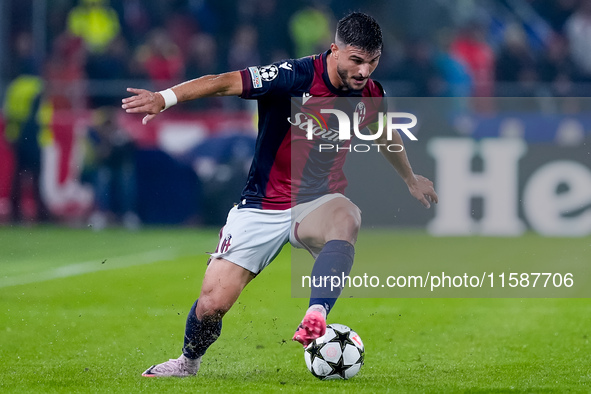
<point>291,194</point>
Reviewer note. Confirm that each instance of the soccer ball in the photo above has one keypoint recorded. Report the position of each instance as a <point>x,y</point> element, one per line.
<point>338,354</point>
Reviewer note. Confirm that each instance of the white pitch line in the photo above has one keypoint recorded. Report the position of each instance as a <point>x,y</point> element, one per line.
<point>87,267</point>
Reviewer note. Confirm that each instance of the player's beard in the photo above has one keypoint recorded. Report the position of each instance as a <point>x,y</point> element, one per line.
<point>346,79</point>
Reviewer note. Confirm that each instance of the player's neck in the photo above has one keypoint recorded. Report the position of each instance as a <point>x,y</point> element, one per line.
<point>333,75</point>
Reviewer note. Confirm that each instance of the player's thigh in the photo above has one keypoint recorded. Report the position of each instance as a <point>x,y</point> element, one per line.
<point>222,285</point>
<point>337,219</point>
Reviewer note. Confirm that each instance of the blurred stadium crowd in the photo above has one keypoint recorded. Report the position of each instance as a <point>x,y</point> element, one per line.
<point>470,47</point>
<point>80,55</point>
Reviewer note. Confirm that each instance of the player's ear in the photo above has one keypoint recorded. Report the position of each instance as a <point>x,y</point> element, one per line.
<point>334,49</point>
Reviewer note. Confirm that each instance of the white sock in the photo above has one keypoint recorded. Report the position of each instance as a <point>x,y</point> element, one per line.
<point>192,362</point>
<point>317,308</point>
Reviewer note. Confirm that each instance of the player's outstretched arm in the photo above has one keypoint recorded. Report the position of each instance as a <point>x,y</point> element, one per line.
<point>419,187</point>
<point>152,103</point>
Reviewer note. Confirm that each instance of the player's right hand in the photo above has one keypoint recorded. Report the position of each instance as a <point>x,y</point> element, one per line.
<point>143,101</point>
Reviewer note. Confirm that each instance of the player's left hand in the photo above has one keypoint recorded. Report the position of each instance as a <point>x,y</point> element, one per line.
<point>422,189</point>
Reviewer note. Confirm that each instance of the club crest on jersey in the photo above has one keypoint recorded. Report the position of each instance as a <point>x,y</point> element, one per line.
<point>226,244</point>
<point>269,73</point>
<point>361,111</point>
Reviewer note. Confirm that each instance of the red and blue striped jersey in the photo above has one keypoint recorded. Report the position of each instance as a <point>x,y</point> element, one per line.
<point>287,168</point>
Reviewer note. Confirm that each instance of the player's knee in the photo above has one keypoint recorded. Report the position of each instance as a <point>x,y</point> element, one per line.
<point>210,308</point>
<point>346,222</point>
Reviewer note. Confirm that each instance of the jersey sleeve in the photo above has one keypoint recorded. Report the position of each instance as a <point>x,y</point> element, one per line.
<point>275,79</point>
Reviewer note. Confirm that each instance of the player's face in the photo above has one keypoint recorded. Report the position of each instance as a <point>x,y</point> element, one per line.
<point>354,66</point>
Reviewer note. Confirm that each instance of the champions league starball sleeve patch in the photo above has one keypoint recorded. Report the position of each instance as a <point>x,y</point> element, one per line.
<point>269,73</point>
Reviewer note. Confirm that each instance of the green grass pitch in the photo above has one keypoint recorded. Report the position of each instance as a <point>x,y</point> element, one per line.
<point>84,311</point>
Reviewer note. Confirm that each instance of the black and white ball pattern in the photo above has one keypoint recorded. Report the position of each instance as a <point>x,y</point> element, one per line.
<point>269,73</point>
<point>338,354</point>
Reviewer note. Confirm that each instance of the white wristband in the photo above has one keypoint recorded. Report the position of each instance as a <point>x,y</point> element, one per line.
<point>169,97</point>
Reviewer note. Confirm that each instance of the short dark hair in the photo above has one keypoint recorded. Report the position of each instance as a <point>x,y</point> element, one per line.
<point>360,30</point>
